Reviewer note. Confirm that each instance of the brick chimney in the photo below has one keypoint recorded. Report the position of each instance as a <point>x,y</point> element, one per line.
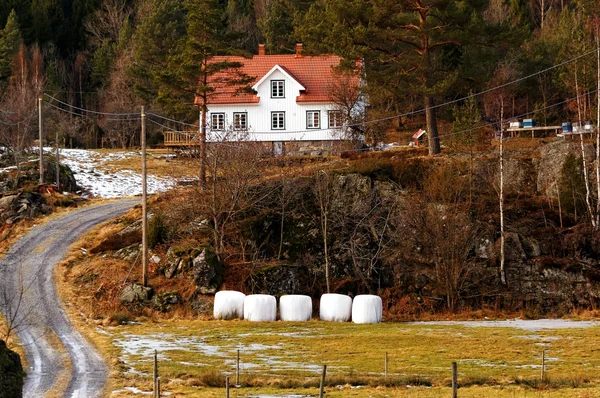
<point>298,50</point>
<point>261,49</point>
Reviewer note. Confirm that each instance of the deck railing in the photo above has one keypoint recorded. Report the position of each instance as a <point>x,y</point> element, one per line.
<point>180,139</point>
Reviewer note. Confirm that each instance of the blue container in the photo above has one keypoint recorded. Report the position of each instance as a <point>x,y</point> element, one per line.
<point>528,122</point>
<point>567,127</point>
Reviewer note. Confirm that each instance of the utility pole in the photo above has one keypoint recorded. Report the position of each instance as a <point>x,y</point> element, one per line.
<point>502,271</point>
<point>41,139</point>
<point>57,164</point>
<point>144,205</point>
<point>598,129</point>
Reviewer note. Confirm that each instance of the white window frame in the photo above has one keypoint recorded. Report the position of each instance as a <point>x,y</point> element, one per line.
<point>277,88</point>
<point>217,121</point>
<point>275,124</point>
<point>336,118</point>
<point>240,120</point>
<point>310,119</point>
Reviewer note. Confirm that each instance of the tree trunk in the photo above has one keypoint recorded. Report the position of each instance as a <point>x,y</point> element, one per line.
<point>598,134</point>
<point>583,160</point>
<point>502,270</point>
<point>202,146</point>
<point>432,131</point>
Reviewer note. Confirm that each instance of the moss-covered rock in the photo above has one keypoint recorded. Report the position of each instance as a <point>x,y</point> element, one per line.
<point>11,373</point>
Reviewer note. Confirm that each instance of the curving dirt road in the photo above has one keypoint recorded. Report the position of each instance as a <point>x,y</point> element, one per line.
<point>29,299</point>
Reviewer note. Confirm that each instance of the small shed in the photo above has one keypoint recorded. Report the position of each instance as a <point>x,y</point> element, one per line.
<point>418,137</point>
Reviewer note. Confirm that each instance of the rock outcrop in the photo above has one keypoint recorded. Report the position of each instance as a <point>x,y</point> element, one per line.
<point>12,376</point>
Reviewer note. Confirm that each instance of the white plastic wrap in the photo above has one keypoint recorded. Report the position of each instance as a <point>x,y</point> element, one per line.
<point>335,307</point>
<point>229,304</point>
<point>260,308</point>
<point>295,307</point>
<point>367,308</point>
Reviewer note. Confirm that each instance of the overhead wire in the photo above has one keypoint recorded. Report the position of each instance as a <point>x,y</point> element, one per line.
<point>136,116</point>
<point>81,115</point>
<point>88,110</point>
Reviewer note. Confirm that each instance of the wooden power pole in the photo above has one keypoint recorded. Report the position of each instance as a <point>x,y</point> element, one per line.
<point>41,139</point>
<point>57,164</point>
<point>144,205</point>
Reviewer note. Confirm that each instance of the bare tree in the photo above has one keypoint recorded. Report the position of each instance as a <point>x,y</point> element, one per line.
<point>107,21</point>
<point>323,192</point>
<point>19,104</point>
<point>434,228</point>
<point>235,169</point>
<point>118,97</point>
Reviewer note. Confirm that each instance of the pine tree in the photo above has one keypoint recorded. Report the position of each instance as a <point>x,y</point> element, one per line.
<point>10,41</point>
<point>411,48</point>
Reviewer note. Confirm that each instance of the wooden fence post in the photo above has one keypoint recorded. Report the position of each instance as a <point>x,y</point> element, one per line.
<point>543,364</point>
<point>386,364</point>
<point>322,388</point>
<point>158,387</point>
<point>454,380</point>
<point>155,376</point>
<point>227,387</point>
<point>237,369</point>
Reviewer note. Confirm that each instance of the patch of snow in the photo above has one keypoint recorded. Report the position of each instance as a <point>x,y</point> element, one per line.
<point>529,325</point>
<point>144,346</point>
<point>133,390</point>
<point>91,172</point>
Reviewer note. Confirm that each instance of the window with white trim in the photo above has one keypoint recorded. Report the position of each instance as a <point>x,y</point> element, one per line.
<point>277,120</point>
<point>313,119</point>
<point>217,121</point>
<point>277,88</point>
<point>335,119</point>
<point>240,120</point>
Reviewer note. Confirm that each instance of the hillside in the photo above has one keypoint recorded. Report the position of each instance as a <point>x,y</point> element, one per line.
<point>421,232</point>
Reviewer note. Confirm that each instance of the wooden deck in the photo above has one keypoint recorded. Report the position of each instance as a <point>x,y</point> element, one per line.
<point>179,139</point>
<point>533,130</point>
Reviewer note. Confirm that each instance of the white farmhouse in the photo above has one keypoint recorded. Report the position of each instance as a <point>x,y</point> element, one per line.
<point>291,105</point>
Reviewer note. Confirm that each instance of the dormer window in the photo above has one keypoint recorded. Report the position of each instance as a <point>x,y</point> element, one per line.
<point>277,89</point>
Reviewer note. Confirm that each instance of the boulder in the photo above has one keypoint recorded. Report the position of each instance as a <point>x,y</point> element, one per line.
<point>281,279</point>
<point>513,250</point>
<point>11,373</point>
<point>208,272</point>
<point>7,201</point>
<point>135,293</point>
<point>163,301</point>
<point>129,253</point>
<point>172,263</point>
<point>531,247</point>
<point>552,158</point>
<point>203,305</point>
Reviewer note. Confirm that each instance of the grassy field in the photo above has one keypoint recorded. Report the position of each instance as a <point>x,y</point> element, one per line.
<point>283,358</point>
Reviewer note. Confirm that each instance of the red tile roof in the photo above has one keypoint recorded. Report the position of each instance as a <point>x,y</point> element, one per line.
<point>313,72</point>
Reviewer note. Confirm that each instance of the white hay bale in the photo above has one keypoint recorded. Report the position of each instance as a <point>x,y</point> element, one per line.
<point>229,304</point>
<point>335,307</point>
<point>366,308</point>
<point>260,308</point>
<point>295,307</point>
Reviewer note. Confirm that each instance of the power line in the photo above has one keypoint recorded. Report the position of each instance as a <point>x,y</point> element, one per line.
<point>363,123</point>
<point>80,115</point>
<point>488,90</point>
<point>89,111</point>
<point>171,120</point>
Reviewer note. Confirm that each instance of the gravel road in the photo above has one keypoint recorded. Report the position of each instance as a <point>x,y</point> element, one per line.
<point>28,297</point>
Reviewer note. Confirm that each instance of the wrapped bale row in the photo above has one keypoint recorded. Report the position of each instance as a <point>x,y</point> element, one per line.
<point>365,308</point>
<point>263,308</point>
